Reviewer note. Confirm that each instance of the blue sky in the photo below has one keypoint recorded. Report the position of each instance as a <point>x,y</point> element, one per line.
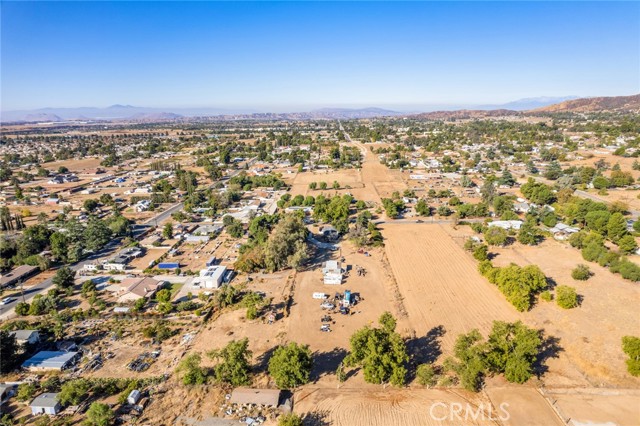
<point>289,56</point>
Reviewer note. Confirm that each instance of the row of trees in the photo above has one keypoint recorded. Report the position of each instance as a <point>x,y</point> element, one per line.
<point>289,365</point>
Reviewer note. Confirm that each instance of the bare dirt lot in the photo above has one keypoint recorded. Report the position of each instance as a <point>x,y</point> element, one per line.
<point>377,406</point>
<point>590,334</point>
<point>582,407</point>
<point>440,283</point>
<point>522,406</point>
<point>375,290</point>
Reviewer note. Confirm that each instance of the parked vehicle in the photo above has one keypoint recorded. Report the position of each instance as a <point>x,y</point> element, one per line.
<point>321,296</point>
<point>327,305</point>
<point>325,328</point>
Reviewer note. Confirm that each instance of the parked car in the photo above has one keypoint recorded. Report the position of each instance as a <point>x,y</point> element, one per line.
<point>327,305</point>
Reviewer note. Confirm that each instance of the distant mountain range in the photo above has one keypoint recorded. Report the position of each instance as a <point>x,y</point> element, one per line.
<point>132,113</point>
<point>529,103</point>
<point>608,103</point>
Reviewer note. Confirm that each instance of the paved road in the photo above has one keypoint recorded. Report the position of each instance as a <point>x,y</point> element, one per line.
<point>635,214</point>
<point>6,311</point>
<point>164,215</point>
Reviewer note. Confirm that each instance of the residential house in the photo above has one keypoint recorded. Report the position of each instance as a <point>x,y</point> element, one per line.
<point>26,337</point>
<point>16,275</point>
<point>132,289</point>
<point>562,232</point>
<point>212,276</point>
<point>46,403</point>
<point>507,224</point>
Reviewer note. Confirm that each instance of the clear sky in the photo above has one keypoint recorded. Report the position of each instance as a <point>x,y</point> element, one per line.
<point>288,55</point>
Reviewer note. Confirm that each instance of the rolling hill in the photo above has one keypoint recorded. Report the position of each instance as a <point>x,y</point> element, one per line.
<point>601,104</point>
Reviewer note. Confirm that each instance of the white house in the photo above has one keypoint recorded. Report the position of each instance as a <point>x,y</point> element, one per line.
<point>24,337</point>
<point>91,267</point>
<point>212,276</point>
<point>46,403</point>
<point>507,224</point>
<point>562,232</point>
<point>332,272</point>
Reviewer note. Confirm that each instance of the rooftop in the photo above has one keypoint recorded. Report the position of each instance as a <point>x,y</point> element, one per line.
<point>49,359</point>
<point>45,400</point>
<point>270,397</point>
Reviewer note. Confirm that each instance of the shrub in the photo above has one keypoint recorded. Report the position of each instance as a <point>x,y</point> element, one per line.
<point>566,297</point>
<point>290,419</point>
<point>631,347</point>
<point>546,296</point>
<point>426,375</point>
<point>581,273</point>
<point>480,253</point>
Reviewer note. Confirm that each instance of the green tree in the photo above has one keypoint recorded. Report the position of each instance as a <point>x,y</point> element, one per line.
<point>601,182</point>
<point>507,178</point>
<point>26,391</point>
<point>381,352</point>
<point>616,227</point>
<point>22,308</point>
<point>290,365</point>
<point>566,297</point>
<point>529,234</point>
<point>496,236</point>
<point>233,367</point>
<point>388,322</point>
<point>628,244</point>
<point>631,347</point>
<point>59,246</point>
<point>470,363</point>
<point>553,171</point>
<point>64,278</point>
<point>286,246</point>
<point>100,414</point>
<point>481,252</point>
<point>512,350</point>
<point>422,208</point>
<point>597,221</point>
<point>226,296</point>
<point>97,234</point>
<point>9,351</point>
<point>90,205</point>
<point>167,230</point>
<point>74,391</point>
<point>190,371</point>
<point>426,375</point>
<point>163,295</point>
